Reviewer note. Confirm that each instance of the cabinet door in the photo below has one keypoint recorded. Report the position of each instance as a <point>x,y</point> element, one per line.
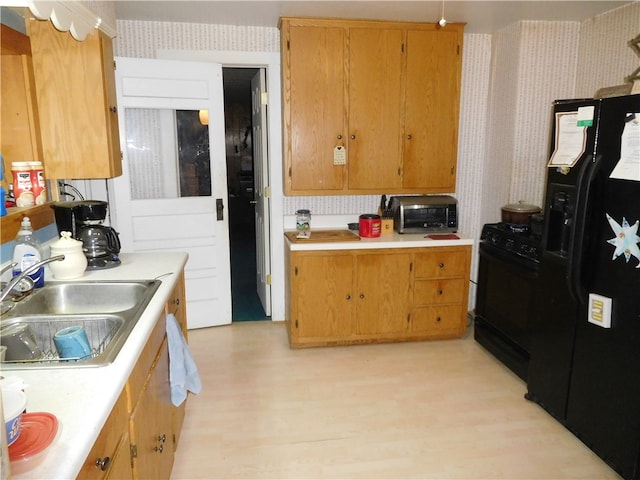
<point>322,295</point>
<point>176,305</point>
<point>101,461</point>
<point>20,139</point>
<point>375,66</point>
<point>75,89</point>
<point>383,293</point>
<point>434,62</point>
<point>314,107</point>
<point>151,427</point>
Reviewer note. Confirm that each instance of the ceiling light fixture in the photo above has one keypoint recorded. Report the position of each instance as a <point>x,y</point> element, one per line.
<point>443,21</point>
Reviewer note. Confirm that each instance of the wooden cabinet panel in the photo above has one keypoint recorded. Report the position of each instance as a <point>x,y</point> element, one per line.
<point>315,116</point>
<point>20,121</point>
<point>441,262</point>
<point>382,295</point>
<point>151,428</point>
<point>322,295</point>
<point>375,66</point>
<point>176,305</point>
<point>447,290</point>
<point>101,461</point>
<point>431,108</point>
<point>141,372</point>
<point>75,89</point>
<point>438,322</point>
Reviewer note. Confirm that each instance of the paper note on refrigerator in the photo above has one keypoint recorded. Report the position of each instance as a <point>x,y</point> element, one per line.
<point>628,167</point>
<point>570,140</point>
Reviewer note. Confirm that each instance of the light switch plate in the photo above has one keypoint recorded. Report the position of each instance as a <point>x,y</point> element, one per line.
<point>599,312</point>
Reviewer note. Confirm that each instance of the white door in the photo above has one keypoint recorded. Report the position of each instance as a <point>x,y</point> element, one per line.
<point>261,187</point>
<point>171,194</point>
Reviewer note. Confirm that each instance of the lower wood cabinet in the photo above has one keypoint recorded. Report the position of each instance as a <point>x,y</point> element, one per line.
<point>151,426</point>
<point>109,457</point>
<point>140,436</point>
<point>379,295</point>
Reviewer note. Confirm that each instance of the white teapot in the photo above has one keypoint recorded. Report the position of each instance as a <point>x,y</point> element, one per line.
<point>74,263</point>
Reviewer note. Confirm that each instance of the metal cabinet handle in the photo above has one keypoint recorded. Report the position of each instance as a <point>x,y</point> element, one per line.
<point>441,265</point>
<point>348,297</point>
<point>409,137</point>
<point>362,295</point>
<point>103,463</point>
<point>113,109</point>
<point>440,292</point>
<point>438,319</point>
<point>339,137</point>
<point>159,448</point>
<point>353,137</point>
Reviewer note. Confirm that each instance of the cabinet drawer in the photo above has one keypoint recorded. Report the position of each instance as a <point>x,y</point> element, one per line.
<point>439,291</point>
<point>439,321</point>
<point>102,455</point>
<point>139,376</point>
<point>441,263</point>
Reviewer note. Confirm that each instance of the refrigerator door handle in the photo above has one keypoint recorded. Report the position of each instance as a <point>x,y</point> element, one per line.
<point>585,181</point>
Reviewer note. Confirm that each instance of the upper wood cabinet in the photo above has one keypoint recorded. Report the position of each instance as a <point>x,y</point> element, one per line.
<point>75,89</point>
<point>369,106</point>
<point>20,122</point>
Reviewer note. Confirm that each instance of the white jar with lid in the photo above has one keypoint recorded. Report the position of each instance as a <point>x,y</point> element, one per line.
<point>74,263</point>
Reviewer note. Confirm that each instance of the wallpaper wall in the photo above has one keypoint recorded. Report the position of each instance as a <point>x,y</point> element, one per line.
<point>509,81</point>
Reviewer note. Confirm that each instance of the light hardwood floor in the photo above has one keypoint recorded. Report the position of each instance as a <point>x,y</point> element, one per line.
<point>432,410</point>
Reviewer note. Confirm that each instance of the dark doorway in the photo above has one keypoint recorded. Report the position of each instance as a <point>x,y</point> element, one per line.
<point>245,303</point>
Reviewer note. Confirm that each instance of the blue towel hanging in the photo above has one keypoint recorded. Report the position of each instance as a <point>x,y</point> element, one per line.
<point>183,372</point>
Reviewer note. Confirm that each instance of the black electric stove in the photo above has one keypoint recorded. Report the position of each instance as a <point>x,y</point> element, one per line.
<point>505,300</point>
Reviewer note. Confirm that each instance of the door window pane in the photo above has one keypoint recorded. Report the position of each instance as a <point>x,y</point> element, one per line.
<point>168,153</point>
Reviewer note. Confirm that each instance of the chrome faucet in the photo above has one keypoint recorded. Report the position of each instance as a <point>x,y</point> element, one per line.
<point>24,274</point>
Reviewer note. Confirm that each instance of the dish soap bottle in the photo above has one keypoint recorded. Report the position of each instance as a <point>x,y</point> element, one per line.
<point>27,253</point>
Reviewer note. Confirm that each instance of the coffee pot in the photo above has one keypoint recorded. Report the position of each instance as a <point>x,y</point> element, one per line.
<point>84,219</point>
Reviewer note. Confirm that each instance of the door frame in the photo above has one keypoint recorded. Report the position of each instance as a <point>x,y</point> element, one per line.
<point>270,61</point>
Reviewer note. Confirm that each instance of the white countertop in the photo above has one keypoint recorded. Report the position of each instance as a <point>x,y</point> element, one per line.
<point>82,398</point>
<point>397,240</point>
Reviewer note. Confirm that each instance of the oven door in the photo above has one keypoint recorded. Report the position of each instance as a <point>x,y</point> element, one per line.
<point>506,294</point>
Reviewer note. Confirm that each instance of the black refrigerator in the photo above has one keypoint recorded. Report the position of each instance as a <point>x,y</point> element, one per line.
<point>585,352</point>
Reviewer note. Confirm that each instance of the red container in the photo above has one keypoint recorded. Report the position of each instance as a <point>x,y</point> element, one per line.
<point>370,225</point>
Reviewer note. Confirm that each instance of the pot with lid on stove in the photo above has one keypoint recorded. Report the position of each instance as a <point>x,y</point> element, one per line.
<point>519,214</point>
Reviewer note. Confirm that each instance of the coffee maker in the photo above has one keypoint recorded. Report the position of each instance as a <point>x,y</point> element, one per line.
<point>84,219</point>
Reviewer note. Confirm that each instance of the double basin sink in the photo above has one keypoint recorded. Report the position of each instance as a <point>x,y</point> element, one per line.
<point>107,310</point>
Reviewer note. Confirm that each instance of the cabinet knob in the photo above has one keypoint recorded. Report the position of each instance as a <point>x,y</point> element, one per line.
<point>441,265</point>
<point>339,137</point>
<point>162,438</point>
<point>348,297</point>
<point>440,292</point>
<point>438,319</point>
<point>176,301</point>
<point>113,109</point>
<point>409,137</point>
<point>353,137</point>
<point>159,448</point>
<point>362,295</point>
<point>103,463</point>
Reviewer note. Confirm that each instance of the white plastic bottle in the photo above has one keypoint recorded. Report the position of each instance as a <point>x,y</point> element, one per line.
<point>27,252</point>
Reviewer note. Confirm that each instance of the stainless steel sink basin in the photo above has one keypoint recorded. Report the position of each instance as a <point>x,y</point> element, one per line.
<point>70,298</point>
<point>108,311</point>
